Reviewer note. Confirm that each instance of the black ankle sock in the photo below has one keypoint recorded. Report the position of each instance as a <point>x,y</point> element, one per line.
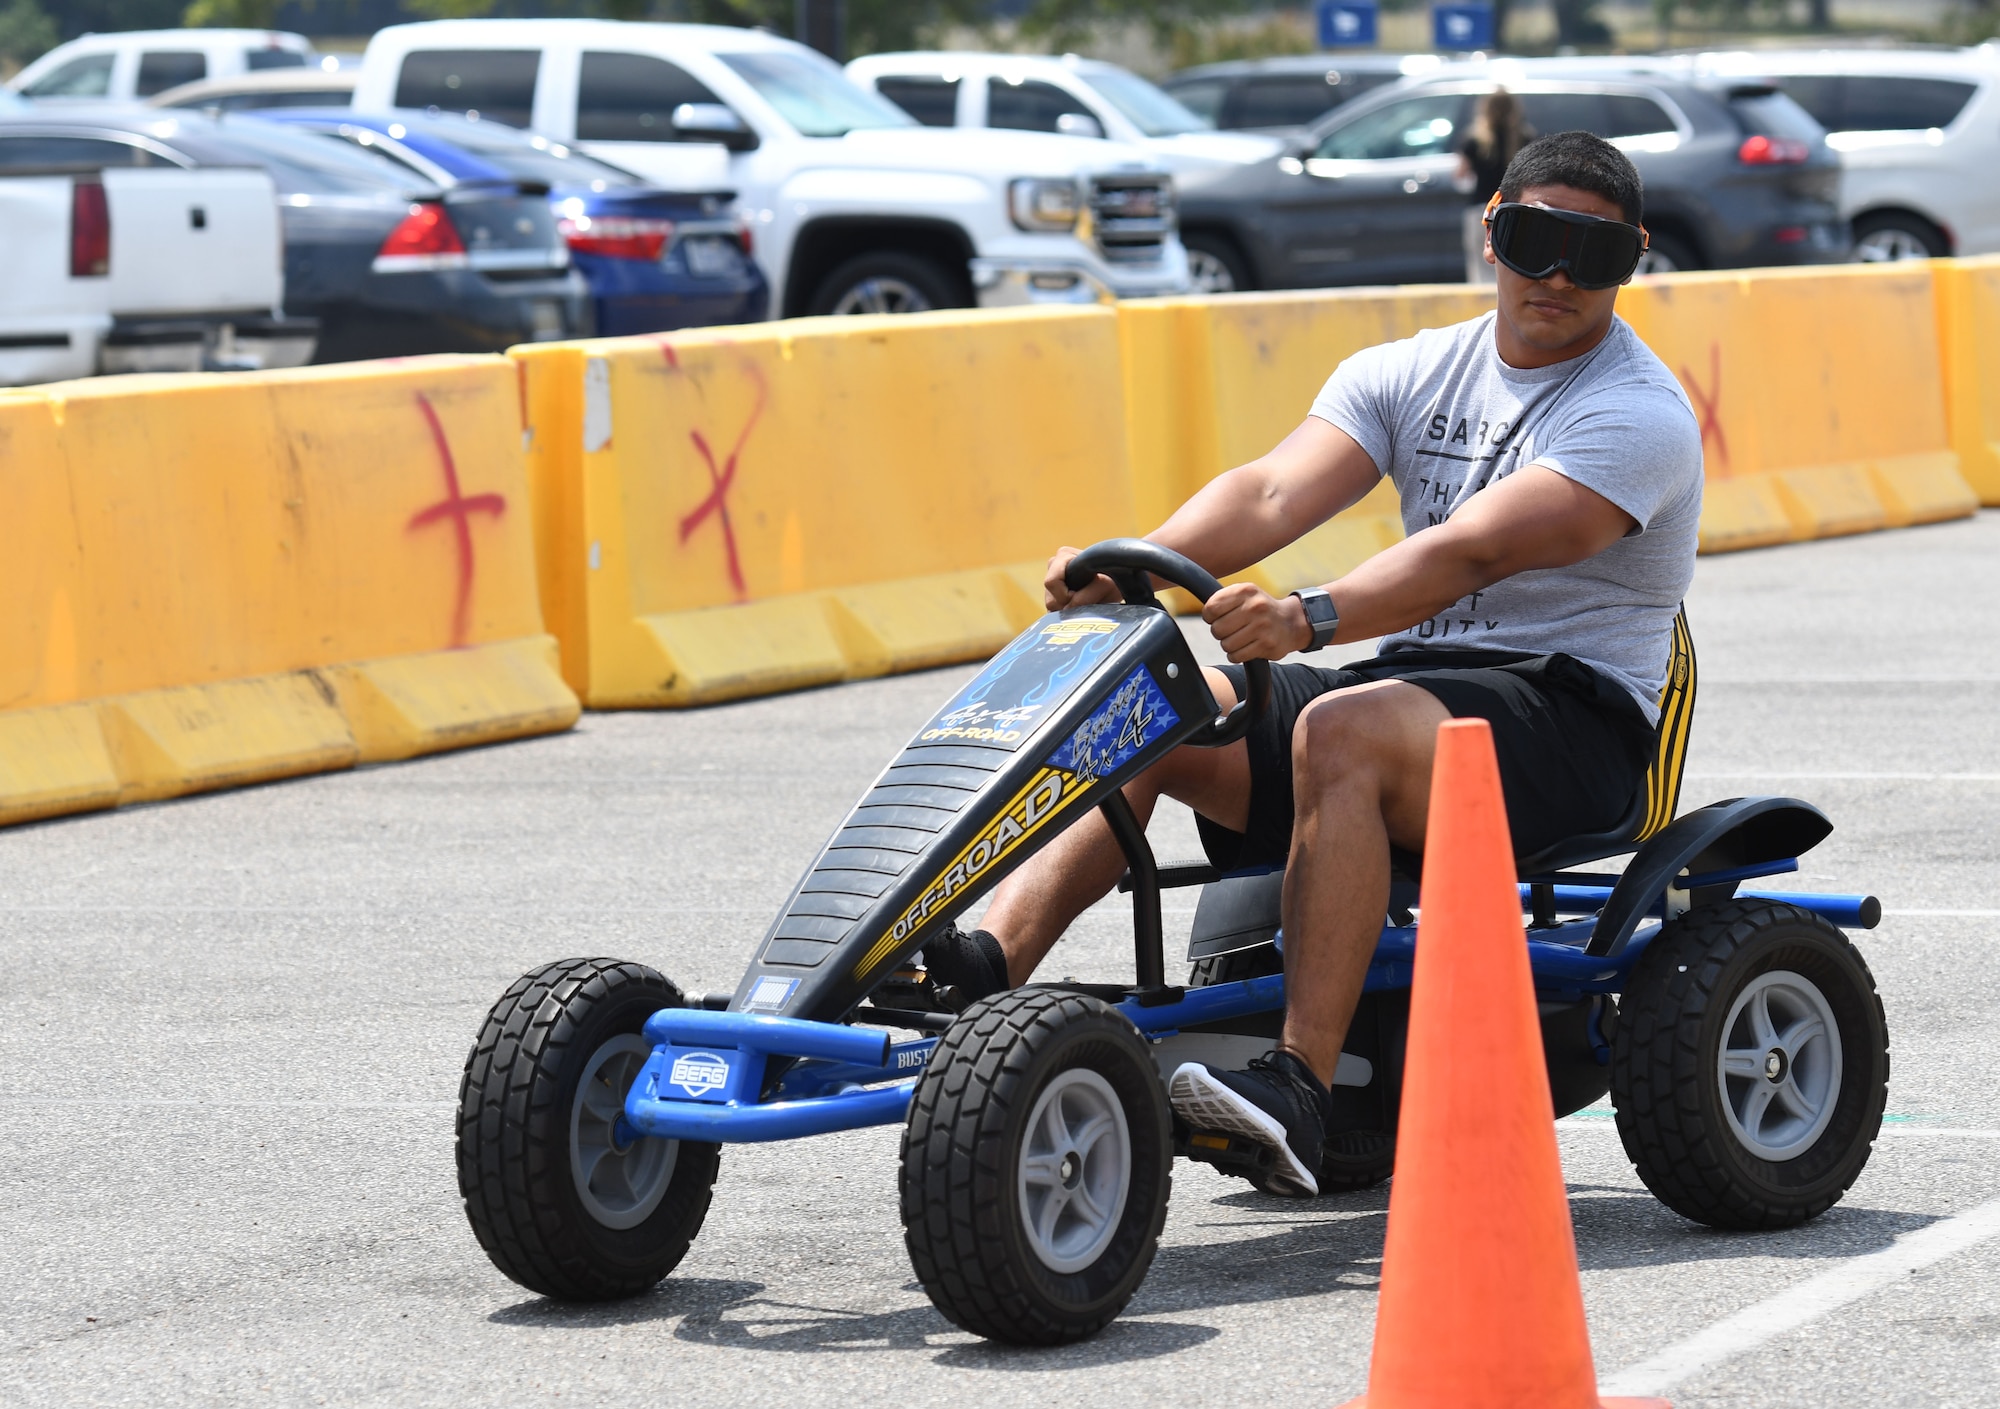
<point>974,963</point>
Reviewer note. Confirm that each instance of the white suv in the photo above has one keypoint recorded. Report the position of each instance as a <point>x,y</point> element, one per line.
<point>854,207</point>
<point>1918,134</point>
<point>1077,97</point>
<point>137,63</point>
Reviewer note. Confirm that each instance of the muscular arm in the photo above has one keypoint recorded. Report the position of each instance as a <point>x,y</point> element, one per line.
<point>1535,518</point>
<point>1245,515</point>
<point>1242,517</point>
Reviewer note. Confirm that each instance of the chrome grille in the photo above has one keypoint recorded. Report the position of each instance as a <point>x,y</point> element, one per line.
<point>1132,216</point>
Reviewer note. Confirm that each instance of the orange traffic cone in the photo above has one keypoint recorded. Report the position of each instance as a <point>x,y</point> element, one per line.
<point>1481,1307</point>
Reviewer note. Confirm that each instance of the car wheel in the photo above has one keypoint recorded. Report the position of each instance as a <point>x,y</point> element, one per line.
<point>1749,1065</point>
<point>559,1201</point>
<point>1036,1167</point>
<point>1668,254</point>
<point>1886,239</point>
<point>1215,265</point>
<point>888,282</point>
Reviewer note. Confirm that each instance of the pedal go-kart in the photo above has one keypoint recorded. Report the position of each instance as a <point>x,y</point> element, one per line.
<point>1738,1032</point>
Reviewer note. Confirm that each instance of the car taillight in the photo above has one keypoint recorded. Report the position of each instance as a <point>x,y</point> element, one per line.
<point>425,239</point>
<point>744,238</point>
<point>616,236</point>
<point>89,231</point>
<point>1773,151</point>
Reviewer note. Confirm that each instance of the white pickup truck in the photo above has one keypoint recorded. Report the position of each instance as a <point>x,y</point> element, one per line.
<point>120,261</point>
<point>854,207</point>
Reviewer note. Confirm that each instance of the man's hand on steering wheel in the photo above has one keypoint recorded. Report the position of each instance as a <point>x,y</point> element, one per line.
<point>1057,594</point>
<point>1251,624</point>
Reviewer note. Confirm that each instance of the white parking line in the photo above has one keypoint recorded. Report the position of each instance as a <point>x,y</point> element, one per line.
<point>1811,1299</point>
<point>1729,775</point>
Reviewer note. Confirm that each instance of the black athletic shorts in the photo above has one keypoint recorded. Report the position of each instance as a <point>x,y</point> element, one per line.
<point>1573,745</point>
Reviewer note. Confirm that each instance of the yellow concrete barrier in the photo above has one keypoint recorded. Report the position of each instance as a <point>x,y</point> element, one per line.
<point>1819,395</point>
<point>1213,382</point>
<point>212,580</point>
<point>726,513</point>
<point>1968,320</point>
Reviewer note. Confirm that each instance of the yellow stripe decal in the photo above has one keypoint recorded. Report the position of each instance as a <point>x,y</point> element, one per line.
<point>1048,793</point>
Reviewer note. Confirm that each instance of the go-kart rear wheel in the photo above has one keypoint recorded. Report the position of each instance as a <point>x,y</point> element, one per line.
<point>559,1202</point>
<point>1036,1167</point>
<point>1750,1065</point>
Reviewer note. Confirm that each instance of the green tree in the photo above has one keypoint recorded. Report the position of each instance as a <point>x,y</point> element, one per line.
<point>449,9</point>
<point>231,14</point>
<point>26,33</point>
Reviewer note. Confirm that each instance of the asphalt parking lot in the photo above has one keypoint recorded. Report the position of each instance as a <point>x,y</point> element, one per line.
<point>233,1029</point>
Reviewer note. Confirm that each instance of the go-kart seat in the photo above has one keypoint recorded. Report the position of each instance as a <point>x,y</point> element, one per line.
<point>1653,805</point>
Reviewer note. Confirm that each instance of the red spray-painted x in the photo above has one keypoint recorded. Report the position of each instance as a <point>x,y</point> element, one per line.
<point>459,509</point>
<point>1709,403</point>
<point>720,480</point>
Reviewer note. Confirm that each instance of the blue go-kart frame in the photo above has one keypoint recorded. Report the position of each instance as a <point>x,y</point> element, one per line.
<point>1737,1030</point>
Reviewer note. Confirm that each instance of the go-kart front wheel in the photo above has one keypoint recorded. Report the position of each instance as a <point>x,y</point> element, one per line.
<point>1749,1065</point>
<point>559,1202</point>
<point>1036,1167</point>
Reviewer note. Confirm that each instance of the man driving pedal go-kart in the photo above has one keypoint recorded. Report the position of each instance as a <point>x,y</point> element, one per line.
<point>1550,472</point>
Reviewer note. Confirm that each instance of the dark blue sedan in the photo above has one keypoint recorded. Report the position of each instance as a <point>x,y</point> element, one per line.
<point>655,260</point>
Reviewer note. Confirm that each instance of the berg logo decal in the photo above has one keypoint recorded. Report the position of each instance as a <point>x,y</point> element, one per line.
<point>1136,714</point>
<point>699,1073</point>
<point>1069,632</point>
<point>1046,794</point>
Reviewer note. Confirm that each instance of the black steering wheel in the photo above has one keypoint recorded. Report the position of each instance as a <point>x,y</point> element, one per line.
<point>1130,563</point>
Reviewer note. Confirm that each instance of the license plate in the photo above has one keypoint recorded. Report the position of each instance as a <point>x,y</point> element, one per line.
<point>545,320</point>
<point>711,258</point>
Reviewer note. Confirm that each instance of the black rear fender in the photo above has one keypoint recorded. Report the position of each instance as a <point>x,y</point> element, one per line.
<point>1740,831</point>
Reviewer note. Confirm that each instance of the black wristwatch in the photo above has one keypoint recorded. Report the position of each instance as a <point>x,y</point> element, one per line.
<point>1320,615</point>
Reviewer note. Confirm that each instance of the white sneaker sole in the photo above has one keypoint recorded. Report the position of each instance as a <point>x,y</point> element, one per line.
<point>1207,1104</point>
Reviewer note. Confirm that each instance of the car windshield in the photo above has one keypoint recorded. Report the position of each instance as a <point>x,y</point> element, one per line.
<point>1152,110</point>
<point>525,156</point>
<point>812,94</point>
<point>300,163</point>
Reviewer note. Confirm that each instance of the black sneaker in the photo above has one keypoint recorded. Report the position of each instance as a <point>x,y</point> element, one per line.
<point>1278,1103</point>
<point>974,964</point>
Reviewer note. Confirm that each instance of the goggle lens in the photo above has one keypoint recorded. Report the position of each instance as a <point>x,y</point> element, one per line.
<point>1534,243</point>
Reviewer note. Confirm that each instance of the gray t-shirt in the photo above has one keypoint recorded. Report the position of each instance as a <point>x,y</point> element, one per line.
<point>1444,417</point>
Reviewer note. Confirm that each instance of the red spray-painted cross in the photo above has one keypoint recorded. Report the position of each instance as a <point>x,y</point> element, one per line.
<point>716,505</point>
<point>1709,403</point>
<point>459,509</point>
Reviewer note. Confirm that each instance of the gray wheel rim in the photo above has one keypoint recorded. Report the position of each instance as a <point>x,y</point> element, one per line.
<point>883,294</point>
<point>1889,246</point>
<point>1653,262</point>
<point>619,1186</point>
<point>1076,1170</point>
<point>1780,1065</point>
<point>1210,275</point>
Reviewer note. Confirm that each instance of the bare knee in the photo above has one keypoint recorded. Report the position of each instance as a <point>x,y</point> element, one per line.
<point>1364,737</point>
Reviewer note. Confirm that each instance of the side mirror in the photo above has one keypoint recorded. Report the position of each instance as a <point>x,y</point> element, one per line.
<point>1079,125</point>
<point>712,122</point>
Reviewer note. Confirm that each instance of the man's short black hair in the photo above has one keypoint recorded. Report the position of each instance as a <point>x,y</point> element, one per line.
<point>1577,159</point>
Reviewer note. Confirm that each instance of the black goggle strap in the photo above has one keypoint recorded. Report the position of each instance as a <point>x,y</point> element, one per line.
<point>1576,218</point>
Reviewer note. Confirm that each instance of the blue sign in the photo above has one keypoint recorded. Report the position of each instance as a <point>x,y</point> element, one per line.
<point>1461,27</point>
<point>1346,24</point>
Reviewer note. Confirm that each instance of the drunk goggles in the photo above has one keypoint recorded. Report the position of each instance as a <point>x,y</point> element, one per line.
<point>1534,242</point>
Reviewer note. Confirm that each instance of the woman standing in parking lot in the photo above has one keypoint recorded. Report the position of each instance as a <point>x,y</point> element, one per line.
<point>1500,130</point>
